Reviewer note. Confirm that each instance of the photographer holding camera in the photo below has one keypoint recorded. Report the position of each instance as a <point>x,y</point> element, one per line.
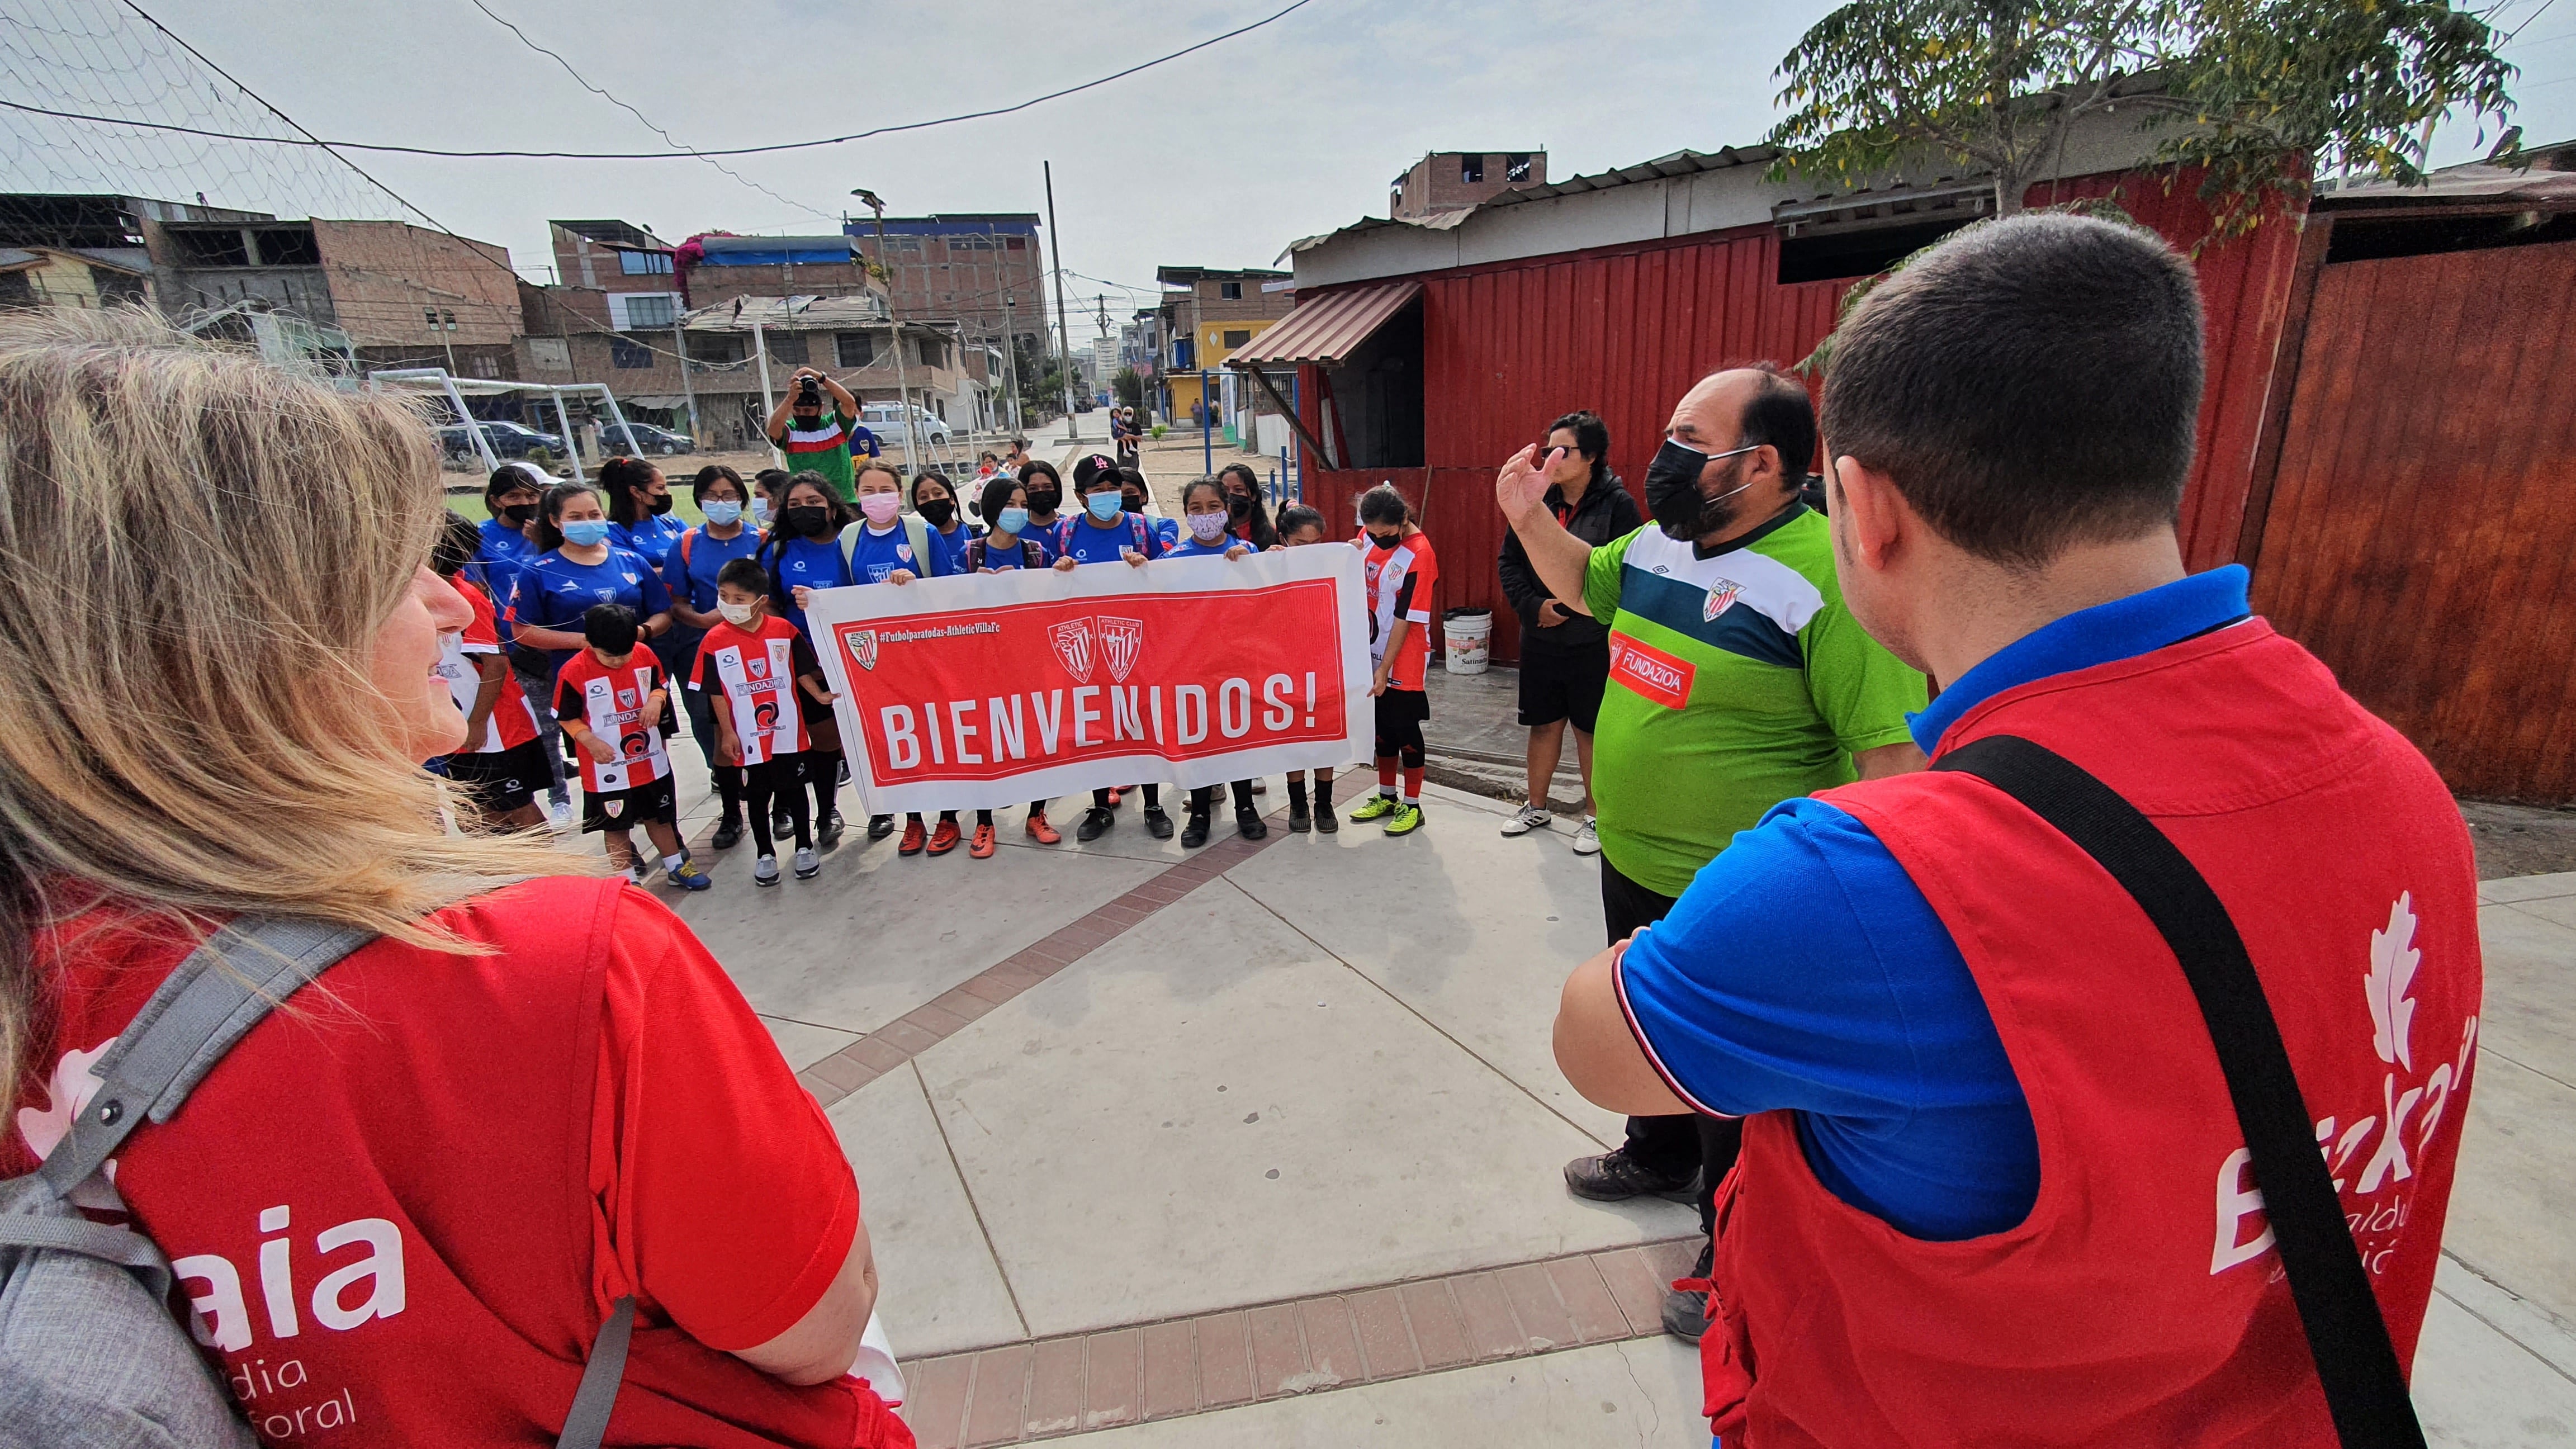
<point>814,439</point>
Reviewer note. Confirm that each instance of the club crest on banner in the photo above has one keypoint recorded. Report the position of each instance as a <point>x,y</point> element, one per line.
<point>1121,640</point>
<point>1074,648</point>
<point>863,648</point>
<point>1721,595</point>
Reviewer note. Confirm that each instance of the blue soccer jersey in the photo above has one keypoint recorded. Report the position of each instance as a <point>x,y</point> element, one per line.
<point>553,592</point>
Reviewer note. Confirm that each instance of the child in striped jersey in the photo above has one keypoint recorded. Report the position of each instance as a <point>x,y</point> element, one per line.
<point>1203,508</point>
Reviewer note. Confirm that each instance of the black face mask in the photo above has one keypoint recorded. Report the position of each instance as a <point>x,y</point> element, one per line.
<point>808,521</point>
<point>659,506</point>
<point>517,515</point>
<point>1238,504</point>
<point>936,511</point>
<point>1672,491</point>
<point>1386,540</point>
<point>1045,500</point>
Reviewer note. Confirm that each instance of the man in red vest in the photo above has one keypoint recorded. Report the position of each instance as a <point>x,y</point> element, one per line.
<point>1993,1189</point>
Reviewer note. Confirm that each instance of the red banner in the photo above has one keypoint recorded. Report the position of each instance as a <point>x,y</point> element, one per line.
<point>980,691</point>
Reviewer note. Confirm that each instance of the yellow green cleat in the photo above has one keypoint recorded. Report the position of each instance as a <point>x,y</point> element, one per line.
<point>1406,820</point>
<point>1377,807</point>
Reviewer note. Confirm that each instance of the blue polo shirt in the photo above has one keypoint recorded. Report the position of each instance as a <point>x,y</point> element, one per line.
<point>553,592</point>
<point>692,576</point>
<point>1803,970</point>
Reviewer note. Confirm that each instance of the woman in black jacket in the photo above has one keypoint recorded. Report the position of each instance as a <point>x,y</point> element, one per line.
<point>1565,653</point>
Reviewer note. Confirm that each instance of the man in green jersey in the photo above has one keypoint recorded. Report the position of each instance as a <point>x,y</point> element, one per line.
<point>818,436</point>
<point>1737,680</point>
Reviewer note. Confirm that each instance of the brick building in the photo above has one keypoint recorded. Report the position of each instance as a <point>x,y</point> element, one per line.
<point>985,270</point>
<point>1453,181</point>
<point>1206,313</point>
<point>628,266</point>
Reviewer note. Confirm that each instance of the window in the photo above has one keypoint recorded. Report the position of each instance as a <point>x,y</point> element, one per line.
<point>1471,169</point>
<point>1017,243</point>
<point>1229,291</point>
<point>115,287</point>
<point>1181,357</point>
<point>287,246</point>
<point>854,349</point>
<point>430,316</point>
<point>226,248</point>
<point>644,311</point>
<point>449,320</point>
<point>721,348</point>
<point>787,347</point>
<point>1516,167</point>
<point>934,353</point>
<point>627,352</point>
<point>644,264</point>
<point>1236,337</point>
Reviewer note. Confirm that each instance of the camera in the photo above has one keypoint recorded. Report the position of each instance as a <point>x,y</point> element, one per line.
<point>809,391</point>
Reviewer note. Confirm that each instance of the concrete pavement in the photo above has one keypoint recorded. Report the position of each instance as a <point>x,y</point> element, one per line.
<point>1260,1144</point>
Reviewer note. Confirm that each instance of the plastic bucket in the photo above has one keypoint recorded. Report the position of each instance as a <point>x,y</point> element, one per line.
<point>1470,637</point>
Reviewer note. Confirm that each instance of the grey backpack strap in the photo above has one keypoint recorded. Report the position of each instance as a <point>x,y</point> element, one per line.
<point>223,989</point>
<point>587,1421</point>
<point>123,1247</point>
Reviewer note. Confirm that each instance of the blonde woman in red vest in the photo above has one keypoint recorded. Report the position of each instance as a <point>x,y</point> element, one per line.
<point>1998,1181</point>
<point>403,1205</point>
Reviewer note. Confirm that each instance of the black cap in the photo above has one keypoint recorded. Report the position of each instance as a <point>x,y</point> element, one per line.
<point>1090,468</point>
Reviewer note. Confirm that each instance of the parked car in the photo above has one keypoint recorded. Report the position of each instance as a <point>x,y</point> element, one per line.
<point>506,440</point>
<point>643,440</point>
<point>886,422</point>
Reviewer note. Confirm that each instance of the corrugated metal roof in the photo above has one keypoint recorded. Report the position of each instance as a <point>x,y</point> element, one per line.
<point>2469,184</point>
<point>1662,168</point>
<point>1327,329</point>
<point>787,314</point>
<point>11,259</point>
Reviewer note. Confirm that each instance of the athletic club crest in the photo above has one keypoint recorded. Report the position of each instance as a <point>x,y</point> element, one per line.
<point>1121,640</point>
<point>1074,647</point>
<point>756,667</point>
<point>863,648</point>
<point>626,699</point>
<point>1721,595</point>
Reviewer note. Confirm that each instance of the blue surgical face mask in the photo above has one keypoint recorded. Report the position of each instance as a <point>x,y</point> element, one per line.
<point>1105,505</point>
<point>722,512</point>
<point>760,512</point>
<point>1013,520</point>
<point>585,531</point>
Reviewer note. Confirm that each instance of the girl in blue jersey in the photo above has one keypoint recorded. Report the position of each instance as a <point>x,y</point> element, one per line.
<point>1046,495</point>
<point>512,495</point>
<point>1106,532</point>
<point>1131,490</point>
<point>689,572</point>
<point>1299,527</point>
<point>1203,508</point>
<point>802,554</point>
<point>1010,542</point>
<point>936,502</point>
<point>580,568</point>
<point>639,509</point>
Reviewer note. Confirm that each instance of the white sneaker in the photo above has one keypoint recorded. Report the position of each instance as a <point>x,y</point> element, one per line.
<point>561,815</point>
<point>764,871</point>
<point>1527,819</point>
<point>1587,841</point>
<point>807,863</point>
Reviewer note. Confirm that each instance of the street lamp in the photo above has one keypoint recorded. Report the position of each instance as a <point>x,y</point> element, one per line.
<point>902,380</point>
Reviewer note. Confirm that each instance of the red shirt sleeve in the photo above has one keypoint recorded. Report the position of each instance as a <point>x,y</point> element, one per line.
<point>720,1187</point>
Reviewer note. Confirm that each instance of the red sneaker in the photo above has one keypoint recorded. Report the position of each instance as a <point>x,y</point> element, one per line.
<point>1114,792</point>
<point>944,839</point>
<point>1040,831</point>
<point>982,849</point>
<point>912,834</point>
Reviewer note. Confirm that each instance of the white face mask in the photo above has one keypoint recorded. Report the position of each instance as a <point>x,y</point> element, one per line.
<point>1207,527</point>
<point>738,615</point>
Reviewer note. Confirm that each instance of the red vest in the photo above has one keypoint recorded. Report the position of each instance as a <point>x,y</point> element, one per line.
<point>2140,1302</point>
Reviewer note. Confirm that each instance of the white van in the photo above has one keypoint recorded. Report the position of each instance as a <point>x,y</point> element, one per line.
<point>886,421</point>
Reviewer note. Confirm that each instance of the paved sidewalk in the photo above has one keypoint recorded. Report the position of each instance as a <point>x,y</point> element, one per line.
<point>1260,1144</point>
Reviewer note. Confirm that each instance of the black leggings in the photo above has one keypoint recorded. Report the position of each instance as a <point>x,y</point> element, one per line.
<point>822,770</point>
<point>1203,799</point>
<point>775,778</point>
<point>1153,798</point>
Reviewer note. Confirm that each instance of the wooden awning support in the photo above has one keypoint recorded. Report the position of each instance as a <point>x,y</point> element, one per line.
<point>1309,441</point>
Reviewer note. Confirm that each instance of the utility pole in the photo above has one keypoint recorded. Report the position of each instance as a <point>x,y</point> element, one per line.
<point>1011,354</point>
<point>902,379</point>
<point>680,340</point>
<point>1063,335</point>
<point>768,400</point>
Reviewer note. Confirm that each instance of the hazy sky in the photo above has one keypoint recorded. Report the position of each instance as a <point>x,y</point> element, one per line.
<point>1219,159</point>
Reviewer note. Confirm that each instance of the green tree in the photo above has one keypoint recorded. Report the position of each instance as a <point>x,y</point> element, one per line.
<point>2262,93</point>
<point>1130,388</point>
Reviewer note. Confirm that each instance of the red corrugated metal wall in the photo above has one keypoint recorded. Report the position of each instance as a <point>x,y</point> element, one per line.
<point>1626,330</point>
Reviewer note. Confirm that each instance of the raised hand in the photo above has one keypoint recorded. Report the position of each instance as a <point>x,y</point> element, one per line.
<point>1521,487</point>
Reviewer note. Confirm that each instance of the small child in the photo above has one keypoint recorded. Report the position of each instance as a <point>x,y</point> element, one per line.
<point>755,663</point>
<point>609,698</point>
<point>1300,526</point>
<point>1105,532</point>
<point>1402,572</point>
<point>1203,508</point>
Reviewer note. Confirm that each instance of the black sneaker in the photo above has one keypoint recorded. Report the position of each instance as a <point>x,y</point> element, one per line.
<point>879,826</point>
<point>1196,833</point>
<point>728,834</point>
<point>1617,1177</point>
<point>829,837</point>
<point>1299,822</point>
<point>1248,824</point>
<point>1095,823</point>
<point>780,823</point>
<point>1159,821</point>
<point>1326,821</point>
<point>1686,1309</point>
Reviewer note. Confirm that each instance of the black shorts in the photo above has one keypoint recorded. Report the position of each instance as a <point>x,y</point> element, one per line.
<point>625,809</point>
<point>503,780</point>
<point>1564,684</point>
<point>1400,713</point>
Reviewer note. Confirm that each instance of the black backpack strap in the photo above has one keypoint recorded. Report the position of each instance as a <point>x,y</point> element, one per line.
<point>207,1003</point>
<point>2365,1388</point>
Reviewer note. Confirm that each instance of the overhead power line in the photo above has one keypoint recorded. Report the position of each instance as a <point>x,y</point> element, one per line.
<point>311,140</point>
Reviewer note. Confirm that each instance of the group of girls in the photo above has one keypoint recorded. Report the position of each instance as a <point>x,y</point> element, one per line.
<point>743,579</point>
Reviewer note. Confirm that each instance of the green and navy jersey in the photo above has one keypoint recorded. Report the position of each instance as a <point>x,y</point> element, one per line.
<point>1737,680</point>
<point>824,448</point>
